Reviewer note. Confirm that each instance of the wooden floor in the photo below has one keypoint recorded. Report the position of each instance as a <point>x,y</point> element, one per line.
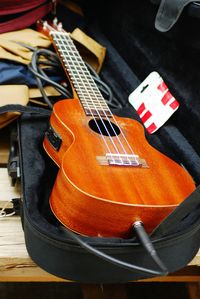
<point>16,266</point>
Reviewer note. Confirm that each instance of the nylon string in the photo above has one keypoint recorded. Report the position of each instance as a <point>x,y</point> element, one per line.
<point>88,107</point>
<point>97,94</point>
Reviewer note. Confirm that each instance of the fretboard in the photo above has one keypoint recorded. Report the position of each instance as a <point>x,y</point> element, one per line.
<point>88,93</point>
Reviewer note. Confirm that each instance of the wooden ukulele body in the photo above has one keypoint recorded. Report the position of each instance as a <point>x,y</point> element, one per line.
<point>105,200</point>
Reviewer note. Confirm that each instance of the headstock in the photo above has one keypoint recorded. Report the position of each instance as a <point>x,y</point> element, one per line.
<point>46,27</point>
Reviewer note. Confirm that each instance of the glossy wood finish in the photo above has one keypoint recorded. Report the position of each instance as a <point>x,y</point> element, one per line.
<point>104,200</point>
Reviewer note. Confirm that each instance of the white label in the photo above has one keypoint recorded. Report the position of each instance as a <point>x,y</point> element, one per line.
<point>153,102</point>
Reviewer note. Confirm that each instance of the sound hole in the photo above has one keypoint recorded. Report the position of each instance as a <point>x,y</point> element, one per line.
<point>104,127</point>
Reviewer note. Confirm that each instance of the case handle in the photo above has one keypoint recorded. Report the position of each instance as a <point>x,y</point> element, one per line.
<point>168,13</point>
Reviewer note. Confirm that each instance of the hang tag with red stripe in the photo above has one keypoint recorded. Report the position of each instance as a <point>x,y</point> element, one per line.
<point>153,102</point>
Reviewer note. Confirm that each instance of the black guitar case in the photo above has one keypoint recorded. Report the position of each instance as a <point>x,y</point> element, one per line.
<point>132,53</point>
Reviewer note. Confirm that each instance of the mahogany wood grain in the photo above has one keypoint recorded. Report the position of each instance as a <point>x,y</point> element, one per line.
<point>104,200</point>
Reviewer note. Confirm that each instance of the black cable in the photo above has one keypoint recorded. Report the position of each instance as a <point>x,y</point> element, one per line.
<point>41,76</point>
<point>147,244</point>
<point>145,241</point>
<point>52,63</point>
<point>35,68</point>
<point>104,88</point>
<point>58,86</point>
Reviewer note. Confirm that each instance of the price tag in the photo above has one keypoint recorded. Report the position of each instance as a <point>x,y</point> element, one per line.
<point>153,102</point>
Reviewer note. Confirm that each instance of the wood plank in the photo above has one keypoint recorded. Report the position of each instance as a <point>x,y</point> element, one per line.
<point>4,154</point>
<point>193,290</point>
<point>7,192</point>
<point>18,270</point>
<point>4,146</point>
<point>16,265</point>
<point>12,238</point>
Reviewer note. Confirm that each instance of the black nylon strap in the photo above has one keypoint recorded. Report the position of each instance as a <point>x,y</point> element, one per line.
<point>24,109</point>
<point>168,13</point>
<point>174,219</point>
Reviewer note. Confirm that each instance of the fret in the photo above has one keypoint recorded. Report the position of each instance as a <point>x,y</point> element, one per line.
<point>78,65</point>
<point>84,88</point>
<point>88,93</point>
<point>86,77</point>
<point>88,80</point>
<point>81,77</point>
<point>90,106</point>
<point>87,85</point>
<point>69,52</point>
<point>93,99</point>
<point>92,93</point>
<point>77,69</point>
<point>80,73</point>
<point>71,63</point>
<point>90,103</point>
<point>64,38</point>
<point>104,112</point>
<point>96,111</point>
<point>65,48</point>
<point>91,96</point>
<point>101,113</point>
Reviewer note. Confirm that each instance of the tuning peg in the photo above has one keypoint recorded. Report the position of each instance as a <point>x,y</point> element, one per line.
<point>55,21</point>
<point>60,26</point>
<point>45,24</point>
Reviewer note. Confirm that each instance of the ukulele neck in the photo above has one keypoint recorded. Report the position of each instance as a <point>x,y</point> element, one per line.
<point>86,89</point>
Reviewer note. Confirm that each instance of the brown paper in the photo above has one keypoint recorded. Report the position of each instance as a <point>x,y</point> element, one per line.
<point>12,94</point>
<point>27,36</point>
<point>12,44</point>
<point>92,52</point>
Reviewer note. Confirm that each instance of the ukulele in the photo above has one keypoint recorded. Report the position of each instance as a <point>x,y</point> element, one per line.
<point>109,176</point>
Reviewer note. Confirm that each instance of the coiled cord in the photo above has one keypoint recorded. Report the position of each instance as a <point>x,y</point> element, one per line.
<point>45,62</point>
